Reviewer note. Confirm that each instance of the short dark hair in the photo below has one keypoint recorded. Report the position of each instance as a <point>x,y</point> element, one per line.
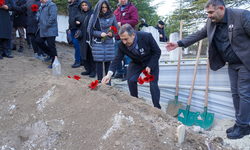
<point>126,27</point>
<point>215,3</point>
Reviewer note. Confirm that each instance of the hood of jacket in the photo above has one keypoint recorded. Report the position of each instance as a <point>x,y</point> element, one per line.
<point>86,1</point>
<point>97,10</point>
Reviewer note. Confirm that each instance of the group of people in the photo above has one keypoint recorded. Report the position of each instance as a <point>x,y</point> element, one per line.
<point>227,30</point>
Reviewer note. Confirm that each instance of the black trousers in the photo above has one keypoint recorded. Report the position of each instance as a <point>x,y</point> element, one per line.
<point>36,48</point>
<point>89,64</point>
<point>99,69</point>
<point>49,49</point>
<point>5,45</point>
<point>154,89</point>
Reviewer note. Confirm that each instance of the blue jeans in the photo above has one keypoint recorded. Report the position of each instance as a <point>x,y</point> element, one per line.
<point>76,46</point>
<point>239,77</point>
<point>126,61</point>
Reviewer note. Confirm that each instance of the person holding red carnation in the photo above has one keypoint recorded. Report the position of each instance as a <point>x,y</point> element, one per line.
<point>144,52</point>
<point>103,51</point>
<point>5,28</point>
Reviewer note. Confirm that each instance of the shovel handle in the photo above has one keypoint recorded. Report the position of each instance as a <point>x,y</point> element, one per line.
<point>194,76</point>
<point>179,62</point>
<point>207,83</point>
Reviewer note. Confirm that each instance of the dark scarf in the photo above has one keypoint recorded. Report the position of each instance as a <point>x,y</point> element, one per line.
<point>133,48</point>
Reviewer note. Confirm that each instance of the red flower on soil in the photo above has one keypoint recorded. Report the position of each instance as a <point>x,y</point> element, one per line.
<point>2,2</point>
<point>77,77</point>
<point>140,80</point>
<point>93,84</point>
<point>69,76</point>
<point>151,77</point>
<point>34,8</point>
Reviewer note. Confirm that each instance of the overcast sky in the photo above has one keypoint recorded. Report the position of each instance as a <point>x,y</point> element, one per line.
<point>166,8</point>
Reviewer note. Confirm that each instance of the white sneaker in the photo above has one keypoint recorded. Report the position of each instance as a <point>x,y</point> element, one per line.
<point>36,55</point>
<point>40,57</point>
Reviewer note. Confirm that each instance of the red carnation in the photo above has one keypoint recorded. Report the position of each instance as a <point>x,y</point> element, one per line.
<point>145,72</point>
<point>93,84</point>
<point>151,77</point>
<point>140,80</point>
<point>113,28</point>
<point>77,77</point>
<point>2,2</point>
<point>34,8</point>
<point>69,76</point>
<point>146,80</point>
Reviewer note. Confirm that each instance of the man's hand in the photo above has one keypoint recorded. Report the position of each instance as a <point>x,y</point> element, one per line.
<point>148,70</point>
<point>6,7</point>
<point>119,24</point>
<point>171,46</point>
<point>107,78</point>
<point>78,22</point>
<point>103,34</point>
<point>69,31</point>
<point>161,36</point>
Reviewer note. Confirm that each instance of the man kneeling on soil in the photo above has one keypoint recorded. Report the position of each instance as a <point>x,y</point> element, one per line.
<point>144,53</point>
<point>228,32</point>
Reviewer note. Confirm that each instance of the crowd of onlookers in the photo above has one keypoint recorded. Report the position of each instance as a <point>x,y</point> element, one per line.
<point>94,43</point>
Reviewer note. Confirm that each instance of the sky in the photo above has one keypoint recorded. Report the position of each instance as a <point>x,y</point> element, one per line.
<point>166,8</point>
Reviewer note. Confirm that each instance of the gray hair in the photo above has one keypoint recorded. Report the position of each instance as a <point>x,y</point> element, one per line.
<point>215,3</point>
<point>126,27</point>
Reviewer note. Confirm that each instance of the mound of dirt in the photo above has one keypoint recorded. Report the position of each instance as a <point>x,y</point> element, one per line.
<point>41,111</point>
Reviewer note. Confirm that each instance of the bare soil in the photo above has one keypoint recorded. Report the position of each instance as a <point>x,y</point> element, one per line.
<point>41,111</point>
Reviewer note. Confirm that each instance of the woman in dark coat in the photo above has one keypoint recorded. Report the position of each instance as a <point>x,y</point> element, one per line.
<point>102,39</point>
<point>5,28</point>
<point>82,20</point>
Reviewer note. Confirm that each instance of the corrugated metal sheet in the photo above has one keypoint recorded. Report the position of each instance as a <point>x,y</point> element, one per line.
<point>219,97</point>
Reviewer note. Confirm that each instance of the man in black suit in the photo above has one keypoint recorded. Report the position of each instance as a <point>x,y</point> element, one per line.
<point>144,53</point>
<point>228,33</point>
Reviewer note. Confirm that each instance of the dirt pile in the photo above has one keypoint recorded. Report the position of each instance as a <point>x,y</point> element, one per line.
<point>40,111</point>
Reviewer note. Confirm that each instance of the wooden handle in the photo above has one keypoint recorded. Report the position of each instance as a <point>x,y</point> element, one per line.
<point>207,83</point>
<point>179,62</point>
<point>195,70</point>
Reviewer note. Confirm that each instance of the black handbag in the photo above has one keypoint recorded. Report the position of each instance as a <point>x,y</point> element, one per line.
<point>78,34</point>
<point>69,38</point>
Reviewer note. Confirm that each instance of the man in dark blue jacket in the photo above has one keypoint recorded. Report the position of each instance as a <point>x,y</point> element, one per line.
<point>144,53</point>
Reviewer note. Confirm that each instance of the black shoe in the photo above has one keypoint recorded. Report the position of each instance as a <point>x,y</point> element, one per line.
<point>124,78</point>
<point>82,64</point>
<point>48,58</point>
<point>231,129</point>
<point>92,74</point>
<point>238,132</point>
<point>118,76</point>
<point>85,73</point>
<point>44,54</point>
<point>76,64</point>
<point>1,57</point>
<point>50,66</point>
<point>13,47</point>
<point>20,49</point>
<point>7,55</point>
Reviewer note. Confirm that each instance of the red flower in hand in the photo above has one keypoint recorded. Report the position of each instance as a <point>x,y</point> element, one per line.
<point>140,80</point>
<point>151,77</point>
<point>77,77</point>
<point>111,29</point>
<point>34,8</point>
<point>146,79</point>
<point>145,72</point>
<point>2,2</point>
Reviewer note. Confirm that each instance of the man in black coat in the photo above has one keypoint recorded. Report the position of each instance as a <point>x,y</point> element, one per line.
<point>161,30</point>
<point>144,53</point>
<point>5,28</point>
<point>19,23</point>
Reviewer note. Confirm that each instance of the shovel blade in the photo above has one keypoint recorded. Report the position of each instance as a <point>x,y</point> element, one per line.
<point>173,107</point>
<point>204,119</point>
<point>186,117</point>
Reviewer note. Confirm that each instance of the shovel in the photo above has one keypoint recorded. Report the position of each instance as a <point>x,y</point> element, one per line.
<point>185,116</point>
<point>205,119</point>
<point>175,105</point>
